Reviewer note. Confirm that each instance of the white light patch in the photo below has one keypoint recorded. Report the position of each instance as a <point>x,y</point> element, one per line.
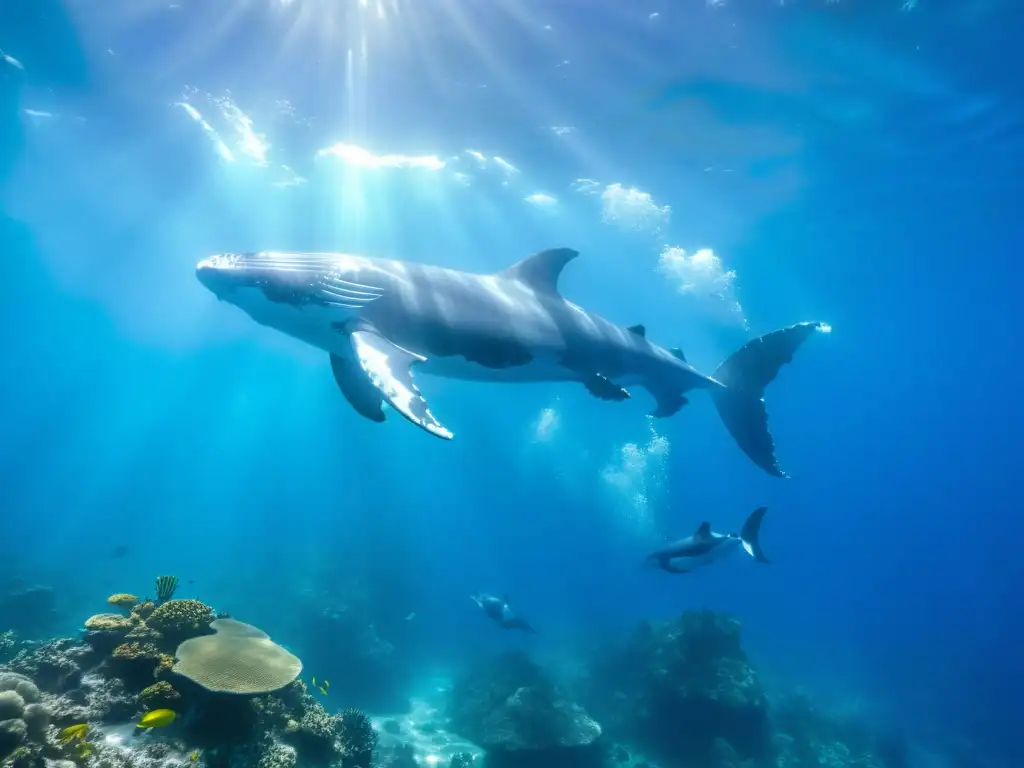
<point>541,200</point>
<point>562,130</point>
<point>11,61</point>
<point>631,209</point>
<point>249,142</point>
<point>480,157</point>
<point>505,165</point>
<point>586,186</point>
<point>824,328</point>
<point>546,425</point>
<point>218,143</point>
<point>289,178</point>
<point>703,276</point>
<point>350,154</point>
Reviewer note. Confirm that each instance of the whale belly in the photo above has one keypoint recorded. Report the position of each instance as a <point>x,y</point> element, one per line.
<point>712,556</point>
<point>538,369</point>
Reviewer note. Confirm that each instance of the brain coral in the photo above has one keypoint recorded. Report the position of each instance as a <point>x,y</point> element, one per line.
<point>181,619</point>
<point>238,659</point>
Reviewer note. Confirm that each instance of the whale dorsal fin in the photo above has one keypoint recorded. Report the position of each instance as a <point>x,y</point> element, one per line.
<point>639,330</point>
<point>703,531</point>
<point>541,270</point>
<point>678,354</point>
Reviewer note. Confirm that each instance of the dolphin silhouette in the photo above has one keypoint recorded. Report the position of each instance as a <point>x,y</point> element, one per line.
<point>498,610</point>
<point>706,547</point>
<point>378,319</point>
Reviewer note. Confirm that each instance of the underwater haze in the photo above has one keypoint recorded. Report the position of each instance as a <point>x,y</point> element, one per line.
<point>725,168</point>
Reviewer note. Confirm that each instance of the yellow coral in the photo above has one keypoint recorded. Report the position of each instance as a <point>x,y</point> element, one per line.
<point>122,600</point>
<point>107,622</point>
<point>166,662</point>
<point>132,651</point>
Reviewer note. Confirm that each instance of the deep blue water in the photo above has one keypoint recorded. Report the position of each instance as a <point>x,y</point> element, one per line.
<point>854,163</point>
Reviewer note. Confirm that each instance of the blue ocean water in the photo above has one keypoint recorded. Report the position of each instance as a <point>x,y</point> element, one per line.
<point>724,169</point>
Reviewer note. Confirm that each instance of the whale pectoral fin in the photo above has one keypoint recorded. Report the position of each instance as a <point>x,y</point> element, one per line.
<point>601,387</point>
<point>668,402</point>
<point>388,368</point>
<point>357,388</point>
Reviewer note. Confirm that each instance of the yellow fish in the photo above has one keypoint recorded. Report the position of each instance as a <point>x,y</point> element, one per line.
<point>323,690</point>
<point>194,757</point>
<point>73,733</point>
<point>327,684</point>
<point>83,749</point>
<point>313,680</point>
<point>157,718</point>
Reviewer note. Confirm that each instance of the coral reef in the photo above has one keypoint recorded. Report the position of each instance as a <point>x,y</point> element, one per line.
<point>165,588</point>
<point>687,670</point>
<point>123,600</point>
<point>159,695</point>
<point>9,645</point>
<point>808,737</point>
<point>358,739</point>
<point>685,689</point>
<point>238,658</point>
<point>123,668</point>
<point>345,640</point>
<point>180,620</point>
<point>511,709</point>
<point>23,718</point>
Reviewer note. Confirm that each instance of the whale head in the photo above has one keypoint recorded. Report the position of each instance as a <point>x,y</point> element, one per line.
<point>294,292</point>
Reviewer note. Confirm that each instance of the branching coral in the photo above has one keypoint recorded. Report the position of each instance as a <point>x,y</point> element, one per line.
<point>358,739</point>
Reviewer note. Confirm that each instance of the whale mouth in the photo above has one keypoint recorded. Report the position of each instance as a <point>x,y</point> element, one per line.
<point>219,275</point>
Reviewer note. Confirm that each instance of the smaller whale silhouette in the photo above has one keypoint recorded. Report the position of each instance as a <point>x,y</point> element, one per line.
<point>706,547</point>
<point>497,609</point>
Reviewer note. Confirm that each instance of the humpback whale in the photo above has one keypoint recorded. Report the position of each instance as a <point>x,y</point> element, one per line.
<point>380,319</point>
<point>498,610</point>
<point>706,547</point>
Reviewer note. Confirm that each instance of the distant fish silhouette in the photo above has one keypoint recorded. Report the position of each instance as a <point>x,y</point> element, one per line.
<point>119,551</point>
<point>497,610</point>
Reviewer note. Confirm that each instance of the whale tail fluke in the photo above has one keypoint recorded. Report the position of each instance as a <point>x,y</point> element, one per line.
<point>750,533</point>
<point>746,374</point>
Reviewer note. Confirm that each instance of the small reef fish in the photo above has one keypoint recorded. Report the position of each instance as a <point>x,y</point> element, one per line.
<point>84,749</point>
<point>411,616</point>
<point>157,718</point>
<point>73,733</point>
<point>194,757</point>
<point>323,690</point>
<point>313,681</point>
